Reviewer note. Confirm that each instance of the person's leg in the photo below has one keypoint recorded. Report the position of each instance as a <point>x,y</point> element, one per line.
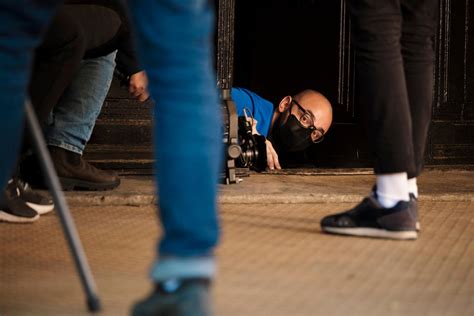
<point>419,28</point>
<point>71,123</point>
<point>384,103</point>
<point>56,61</point>
<point>73,117</point>
<point>381,83</point>
<point>382,94</point>
<point>175,44</point>
<point>22,23</point>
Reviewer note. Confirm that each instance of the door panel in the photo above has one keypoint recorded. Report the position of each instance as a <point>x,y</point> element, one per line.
<point>284,46</point>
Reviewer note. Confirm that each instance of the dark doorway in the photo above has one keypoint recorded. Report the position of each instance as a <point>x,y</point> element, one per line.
<point>283,46</point>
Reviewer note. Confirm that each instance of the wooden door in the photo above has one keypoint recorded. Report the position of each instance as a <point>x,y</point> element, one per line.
<point>284,46</point>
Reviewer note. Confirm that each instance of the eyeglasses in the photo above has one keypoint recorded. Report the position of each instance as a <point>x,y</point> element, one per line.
<point>307,121</point>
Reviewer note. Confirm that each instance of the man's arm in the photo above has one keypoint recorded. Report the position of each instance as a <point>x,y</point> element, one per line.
<point>127,60</point>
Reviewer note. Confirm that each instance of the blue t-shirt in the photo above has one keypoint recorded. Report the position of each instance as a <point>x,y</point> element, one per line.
<point>259,108</point>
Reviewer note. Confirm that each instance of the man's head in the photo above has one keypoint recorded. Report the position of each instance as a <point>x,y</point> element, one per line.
<point>300,121</point>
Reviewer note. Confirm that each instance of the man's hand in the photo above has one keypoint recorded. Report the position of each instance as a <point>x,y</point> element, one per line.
<point>272,156</point>
<point>138,86</point>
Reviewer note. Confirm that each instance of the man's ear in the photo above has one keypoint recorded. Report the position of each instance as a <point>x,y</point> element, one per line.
<point>284,104</point>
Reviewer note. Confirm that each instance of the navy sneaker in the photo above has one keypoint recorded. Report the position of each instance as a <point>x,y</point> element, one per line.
<point>13,209</point>
<point>414,210</point>
<point>37,201</point>
<point>175,297</point>
<point>413,206</point>
<point>370,219</point>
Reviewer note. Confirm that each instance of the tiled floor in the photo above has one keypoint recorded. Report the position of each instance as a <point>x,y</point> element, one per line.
<point>273,261</point>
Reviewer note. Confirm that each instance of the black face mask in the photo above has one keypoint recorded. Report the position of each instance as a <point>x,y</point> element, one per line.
<point>292,136</point>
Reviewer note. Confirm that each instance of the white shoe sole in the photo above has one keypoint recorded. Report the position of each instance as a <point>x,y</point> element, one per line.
<point>7,217</point>
<point>41,209</point>
<point>372,232</point>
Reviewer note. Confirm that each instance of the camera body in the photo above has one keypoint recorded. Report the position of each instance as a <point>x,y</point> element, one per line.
<point>242,149</point>
<point>253,147</point>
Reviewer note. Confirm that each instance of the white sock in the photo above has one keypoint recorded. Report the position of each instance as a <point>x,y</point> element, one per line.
<point>392,188</point>
<point>413,187</point>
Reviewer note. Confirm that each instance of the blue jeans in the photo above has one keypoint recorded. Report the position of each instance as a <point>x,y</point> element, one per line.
<point>175,42</point>
<point>175,45</point>
<point>22,22</point>
<point>72,120</point>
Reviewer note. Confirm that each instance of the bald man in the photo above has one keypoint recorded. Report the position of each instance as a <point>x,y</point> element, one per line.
<point>294,125</point>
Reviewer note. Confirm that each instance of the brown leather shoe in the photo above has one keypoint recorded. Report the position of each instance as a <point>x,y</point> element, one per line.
<point>77,174</point>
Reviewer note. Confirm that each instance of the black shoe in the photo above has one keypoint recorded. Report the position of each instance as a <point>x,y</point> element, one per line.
<point>13,209</point>
<point>414,210</point>
<point>370,219</point>
<point>77,174</point>
<point>413,206</point>
<point>37,201</point>
<point>177,298</point>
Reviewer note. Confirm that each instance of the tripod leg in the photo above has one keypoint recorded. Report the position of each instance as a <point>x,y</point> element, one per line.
<point>67,222</point>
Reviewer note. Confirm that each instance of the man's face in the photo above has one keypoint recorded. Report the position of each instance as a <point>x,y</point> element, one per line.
<point>298,125</point>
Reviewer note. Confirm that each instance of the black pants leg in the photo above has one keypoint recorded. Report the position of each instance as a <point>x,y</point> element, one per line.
<point>390,99</point>
<point>76,32</point>
<point>56,61</point>
<point>418,31</point>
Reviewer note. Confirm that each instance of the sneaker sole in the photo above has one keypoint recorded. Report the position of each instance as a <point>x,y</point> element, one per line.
<point>7,217</point>
<point>41,209</point>
<point>373,233</point>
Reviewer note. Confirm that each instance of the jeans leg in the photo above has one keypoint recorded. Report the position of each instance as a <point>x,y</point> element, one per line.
<point>175,41</point>
<point>74,117</point>
<point>419,28</point>
<point>381,83</point>
<point>21,25</point>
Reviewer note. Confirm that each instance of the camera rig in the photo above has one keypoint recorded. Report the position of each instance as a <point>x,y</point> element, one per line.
<point>232,149</point>
<point>242,149</point>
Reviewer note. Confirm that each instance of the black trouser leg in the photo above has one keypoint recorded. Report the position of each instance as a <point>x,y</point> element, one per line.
<point>418,31</point>
<point>385,97</point>
<point>380,78</point>
<point>56,61</point>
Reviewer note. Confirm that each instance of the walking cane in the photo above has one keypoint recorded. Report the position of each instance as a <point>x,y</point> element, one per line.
<point>69,228</point>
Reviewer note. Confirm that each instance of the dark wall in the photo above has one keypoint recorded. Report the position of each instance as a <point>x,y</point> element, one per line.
<point>284,46</point>
<point>122,138</point>
<point>452,130</point>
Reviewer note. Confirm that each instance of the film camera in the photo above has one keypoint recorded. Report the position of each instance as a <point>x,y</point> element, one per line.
<point>243,150</point>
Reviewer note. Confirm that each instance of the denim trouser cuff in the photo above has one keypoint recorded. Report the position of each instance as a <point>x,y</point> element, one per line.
<point>63,145</point>
<point>183,268</point>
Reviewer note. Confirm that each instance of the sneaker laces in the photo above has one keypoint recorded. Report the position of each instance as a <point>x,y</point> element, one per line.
<point>22,184</point>
<point>26,193</point>
<point>12,189</point>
